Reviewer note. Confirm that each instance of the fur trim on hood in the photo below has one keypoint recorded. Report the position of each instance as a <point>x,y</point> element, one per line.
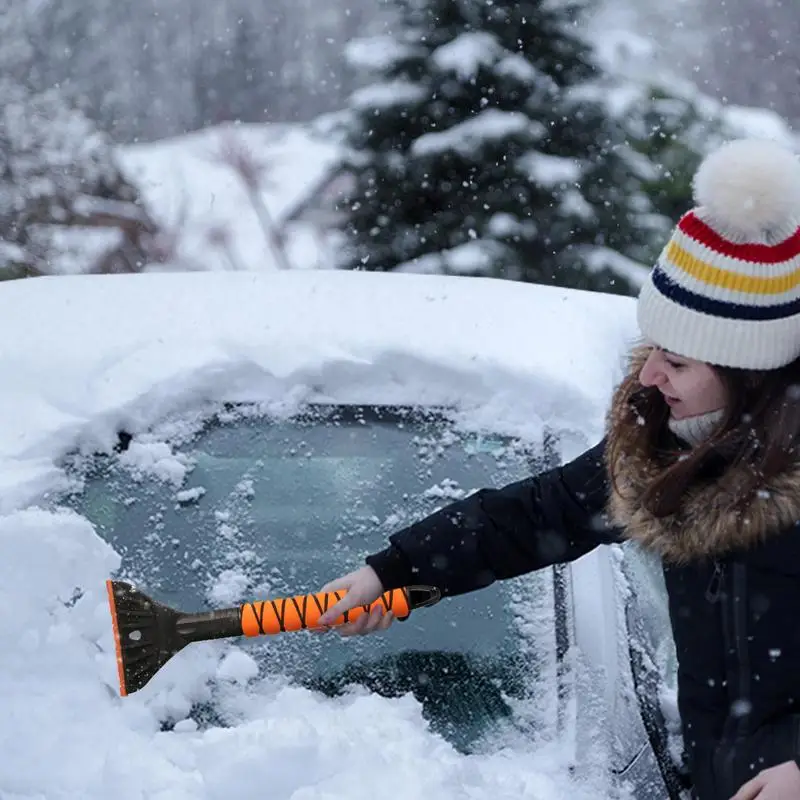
<point>714,518</point>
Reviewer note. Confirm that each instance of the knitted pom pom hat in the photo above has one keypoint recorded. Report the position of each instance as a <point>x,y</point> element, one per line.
<point>726,288</point>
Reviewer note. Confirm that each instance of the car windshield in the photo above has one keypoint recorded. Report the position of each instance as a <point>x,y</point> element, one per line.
<point>274,507</point>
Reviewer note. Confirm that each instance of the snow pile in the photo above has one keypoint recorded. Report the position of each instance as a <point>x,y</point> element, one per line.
<point>128,351</point>
<point>117,352</point>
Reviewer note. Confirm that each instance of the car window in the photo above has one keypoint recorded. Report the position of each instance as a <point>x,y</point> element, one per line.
<point>275,507</point>
<point>653,657</point>
<point>650,607</point>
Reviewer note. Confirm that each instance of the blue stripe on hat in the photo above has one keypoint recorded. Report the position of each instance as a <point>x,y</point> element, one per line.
<point>719,308</point>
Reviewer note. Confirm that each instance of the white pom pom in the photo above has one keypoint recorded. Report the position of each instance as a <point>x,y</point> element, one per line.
<point>750,189</point>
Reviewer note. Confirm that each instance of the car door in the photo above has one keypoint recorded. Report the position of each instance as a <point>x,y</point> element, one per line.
<point>619,675</point>
<point>622,622</point>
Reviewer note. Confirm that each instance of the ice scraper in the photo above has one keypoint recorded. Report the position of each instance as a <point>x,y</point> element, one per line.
<point>147,633</point>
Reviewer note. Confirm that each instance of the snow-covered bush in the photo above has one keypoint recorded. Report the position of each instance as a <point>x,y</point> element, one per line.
<point>64,204</point>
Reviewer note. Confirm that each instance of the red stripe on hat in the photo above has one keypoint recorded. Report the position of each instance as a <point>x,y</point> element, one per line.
<point>698,230</point>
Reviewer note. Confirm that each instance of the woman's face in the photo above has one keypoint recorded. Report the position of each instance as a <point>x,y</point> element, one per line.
<point>689,387</point>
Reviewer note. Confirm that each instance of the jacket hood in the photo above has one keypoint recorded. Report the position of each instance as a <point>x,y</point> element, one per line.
<point>715,517</point>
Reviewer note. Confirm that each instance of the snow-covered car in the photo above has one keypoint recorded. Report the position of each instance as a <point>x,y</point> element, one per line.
<point>222,437</point>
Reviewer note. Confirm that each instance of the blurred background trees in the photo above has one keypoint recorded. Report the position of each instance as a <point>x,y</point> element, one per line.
<point>546,141</point>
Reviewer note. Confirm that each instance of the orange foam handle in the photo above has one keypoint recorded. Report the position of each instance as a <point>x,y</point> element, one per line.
<point>304,610</point>
<point>117,645</point>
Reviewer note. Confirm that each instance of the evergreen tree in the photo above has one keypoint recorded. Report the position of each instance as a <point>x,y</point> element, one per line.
<point>668,126</point>
<point>485,145</point>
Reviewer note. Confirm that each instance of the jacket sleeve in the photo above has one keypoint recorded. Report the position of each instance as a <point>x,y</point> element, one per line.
<point>550,518</point>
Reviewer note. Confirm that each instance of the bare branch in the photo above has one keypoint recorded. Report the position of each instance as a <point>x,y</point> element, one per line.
<point>220,236</point>
<point>254,174</point>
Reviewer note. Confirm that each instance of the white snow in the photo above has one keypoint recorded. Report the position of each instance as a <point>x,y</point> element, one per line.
<point>190,495</point>
<point>132,351</point>
<point>478,257</point>
<point>469,136</point>
<point>760,123</point>
<point>573,202</point>
<point>155,459</point>
<point>550,171</point>
<point>467,53</point>
<point>503,224</point>
<point>378,53</point>
<point>238,667</point>
<point>228,588</point>
<point>599,258</point>
<point>515,65</point>
<point>76,246</point>
<point>11,253</point>
<point>386,95</point>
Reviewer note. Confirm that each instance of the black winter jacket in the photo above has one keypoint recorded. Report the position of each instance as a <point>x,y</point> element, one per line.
<point>734,615</point>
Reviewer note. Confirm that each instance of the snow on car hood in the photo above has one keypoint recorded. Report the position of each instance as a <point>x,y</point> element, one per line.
<point>82,357</point>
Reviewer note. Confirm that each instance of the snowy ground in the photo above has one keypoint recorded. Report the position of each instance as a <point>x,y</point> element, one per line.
<point>194,192</point>
<point>133,350</point>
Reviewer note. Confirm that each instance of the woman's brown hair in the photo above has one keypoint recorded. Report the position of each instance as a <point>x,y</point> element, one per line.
<point>759,432</point>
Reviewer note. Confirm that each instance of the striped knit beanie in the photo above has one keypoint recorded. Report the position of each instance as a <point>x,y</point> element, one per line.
<point>726,288</point>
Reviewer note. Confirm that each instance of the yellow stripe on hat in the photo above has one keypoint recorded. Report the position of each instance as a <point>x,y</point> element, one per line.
<point>726,279</point>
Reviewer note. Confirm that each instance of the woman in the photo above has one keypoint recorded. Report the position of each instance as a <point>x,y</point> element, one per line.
<point>700,463</point>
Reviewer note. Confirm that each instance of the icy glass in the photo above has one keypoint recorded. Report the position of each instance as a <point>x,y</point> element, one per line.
<point>652,652</point>
<point>272,508</point>
<point>648,609</point>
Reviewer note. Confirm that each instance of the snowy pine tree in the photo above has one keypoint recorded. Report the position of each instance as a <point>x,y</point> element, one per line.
<point>484,145</point>
<point>668,126</point>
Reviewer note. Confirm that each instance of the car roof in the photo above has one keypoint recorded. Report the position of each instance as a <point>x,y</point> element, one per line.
<point>82,355</point>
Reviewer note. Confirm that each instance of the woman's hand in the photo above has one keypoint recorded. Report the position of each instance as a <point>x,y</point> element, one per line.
<point>776,783</point>
<point>363,587</point>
